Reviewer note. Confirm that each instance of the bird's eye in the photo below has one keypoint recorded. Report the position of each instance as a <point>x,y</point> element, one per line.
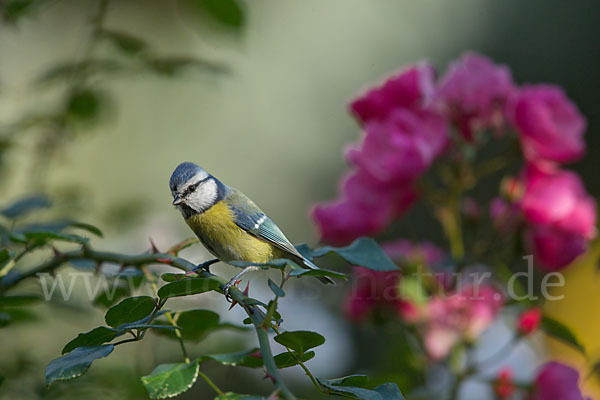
<point>191,188</point>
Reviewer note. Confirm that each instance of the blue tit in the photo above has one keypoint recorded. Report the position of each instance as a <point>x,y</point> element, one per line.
<point>229,224</point>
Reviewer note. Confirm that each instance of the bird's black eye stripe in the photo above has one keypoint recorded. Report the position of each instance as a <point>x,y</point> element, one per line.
<point>193,186</point>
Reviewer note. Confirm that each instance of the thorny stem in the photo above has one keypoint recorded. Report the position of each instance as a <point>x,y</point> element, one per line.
<point>85,253</point>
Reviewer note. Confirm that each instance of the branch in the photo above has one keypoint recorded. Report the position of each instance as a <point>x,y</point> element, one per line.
<point>85,253</point>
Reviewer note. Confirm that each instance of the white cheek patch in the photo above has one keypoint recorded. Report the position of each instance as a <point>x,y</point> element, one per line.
<point>204,196</point>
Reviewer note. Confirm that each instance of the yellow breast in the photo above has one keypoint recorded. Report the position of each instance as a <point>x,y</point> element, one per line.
<point>218,232</point>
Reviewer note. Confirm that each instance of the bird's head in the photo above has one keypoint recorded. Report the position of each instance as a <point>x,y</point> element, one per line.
<point>194,190</point>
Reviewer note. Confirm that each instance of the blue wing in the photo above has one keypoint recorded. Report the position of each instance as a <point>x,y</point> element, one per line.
<point>250,218</point>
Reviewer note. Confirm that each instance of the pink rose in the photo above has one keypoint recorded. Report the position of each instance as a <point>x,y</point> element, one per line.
<point>462,316</point>
<point>407,251</point>
<point>550,125</point>
<point>401,147</point>
<point>474,91</point>
<point>558,198</point>
<point>410,88</point>
<point>553,248</point>
<point>556,381</point>
<point>373,290</point>
<point>379,290</point>
<point>364,209</point>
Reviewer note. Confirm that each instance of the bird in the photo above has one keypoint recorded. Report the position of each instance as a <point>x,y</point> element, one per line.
<point>229,224</point>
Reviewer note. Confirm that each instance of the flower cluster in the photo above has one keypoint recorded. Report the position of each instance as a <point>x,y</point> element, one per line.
<point>554,381</point>
<point>406,126</point>
<point>378,291</point>
<point>414,120</point>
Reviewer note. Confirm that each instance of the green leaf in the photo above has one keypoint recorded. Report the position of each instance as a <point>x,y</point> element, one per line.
<point>171,66</point>
<point>561,332</point>
<point>95,337</point>
<point>175,277</point>
<point>132,309</point>
<point>364,252</point>
<point>5,319</point>
<point>249,358</point>
<point>18,300</point>
<point>356,385</point>
<point>286,359</point>
<point>84,105</point>
<point>276,289</point>
<point>127,43</point>
<point>13,315</point>
<point>5,255</point>
<point>300,341</point>
<point>228,13</point>
<point>187,287</point>
<point>389,391</point>
<point>64,71</point>
<point>107,298</point>
<point>236,396</point>
<point>39,238</point>
<point>169,380</point>
<point>87,227</point>
<point>25,206</point>
<point>76,363</point>
<point>14,10</point>
<point>1,380</point>
<point>299,271</point>
<point>158,327</point>
<point>194,325</point>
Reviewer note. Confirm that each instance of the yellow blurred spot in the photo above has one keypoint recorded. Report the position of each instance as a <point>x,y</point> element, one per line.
<point>579,311</point>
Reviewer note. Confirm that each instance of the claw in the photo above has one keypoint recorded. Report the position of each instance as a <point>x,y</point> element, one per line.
<point>205,266</point>
<point>232,283</point>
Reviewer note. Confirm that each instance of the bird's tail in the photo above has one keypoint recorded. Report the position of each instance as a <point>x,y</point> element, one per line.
<point>324,279</point>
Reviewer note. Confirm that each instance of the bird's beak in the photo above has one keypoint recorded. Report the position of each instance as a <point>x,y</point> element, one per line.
<point>177,201</point>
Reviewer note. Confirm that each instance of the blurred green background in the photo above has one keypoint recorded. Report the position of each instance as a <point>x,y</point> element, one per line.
<point>273,126</point>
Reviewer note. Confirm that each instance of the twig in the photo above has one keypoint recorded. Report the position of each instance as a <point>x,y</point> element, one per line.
<point>211,383</point>
<point>85,253</point>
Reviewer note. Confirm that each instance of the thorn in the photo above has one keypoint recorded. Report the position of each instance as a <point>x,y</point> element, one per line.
<point>57,253</point>
<point>233,303</point>
<point>122,267</point>
<point>153,247</point>
<point>271,377</point>
<point>274,395</point>
<point>165,261</point>
<point>245,292</point>
<point>98,266</point>
<point>256,354</point>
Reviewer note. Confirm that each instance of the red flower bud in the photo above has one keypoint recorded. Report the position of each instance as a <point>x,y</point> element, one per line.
<point>504,387</point>
<point>529,321</point>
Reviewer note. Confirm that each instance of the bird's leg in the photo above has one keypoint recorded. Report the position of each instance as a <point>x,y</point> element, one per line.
<point>205,265</point>
<point>235,279</point>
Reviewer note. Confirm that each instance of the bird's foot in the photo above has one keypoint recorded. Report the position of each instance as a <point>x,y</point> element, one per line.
<point>237,279</point>
<point>205,266</point>
<point>227,287</point>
